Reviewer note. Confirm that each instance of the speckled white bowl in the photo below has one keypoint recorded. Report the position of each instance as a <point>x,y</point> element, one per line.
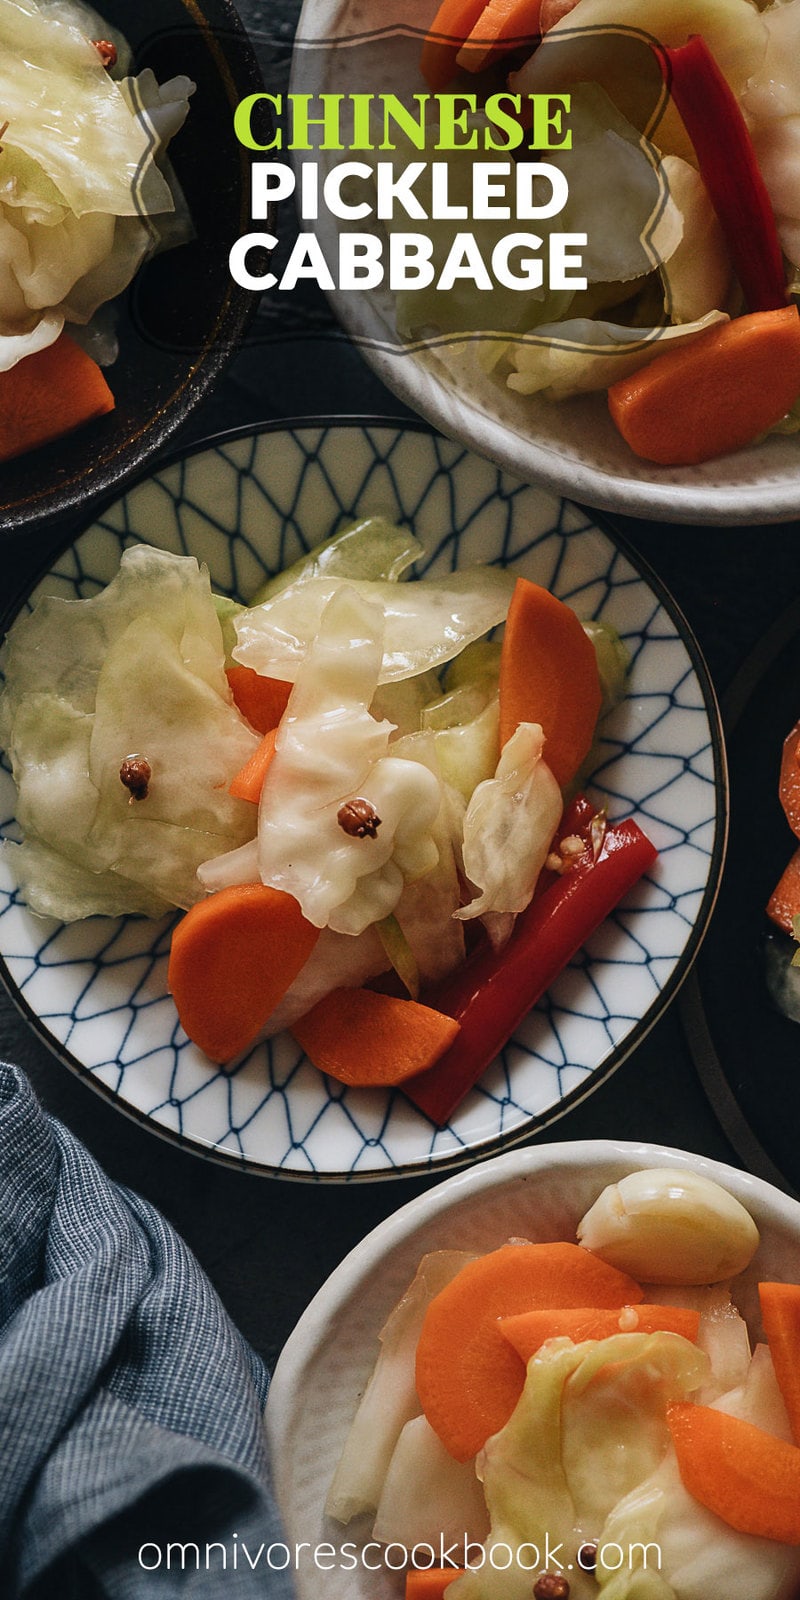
<point>538,1194</point>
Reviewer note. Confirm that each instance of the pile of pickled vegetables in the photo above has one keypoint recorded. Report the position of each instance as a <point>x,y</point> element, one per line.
<point>588,1421</point>
<point>86,194</point>
<point>344,782</point>
<point>690,207</point>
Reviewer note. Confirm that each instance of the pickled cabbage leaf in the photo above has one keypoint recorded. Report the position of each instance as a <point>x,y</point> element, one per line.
<point>733,30</point>
<point>696,1552</point>
<point>467,751</point>
<point>771,103</point>
<point>617,193</point>
<point>585,355</point>
<point>390,1398</point>
<point>83,174</point>
<point>372,549</point>
<point>136,669</point>
<point>590,1425</point>
<point>691,1553</point>
<point>427,906</point>
<point>508,829</point>
<point>329,753</point>
<point>698,276</point>
<point>427,1496</point>
<point>337,961</point>
<point>99,159</point>
<point>425,623</point>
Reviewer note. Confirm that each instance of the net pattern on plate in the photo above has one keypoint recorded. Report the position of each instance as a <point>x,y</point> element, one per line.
<point>247,507</point>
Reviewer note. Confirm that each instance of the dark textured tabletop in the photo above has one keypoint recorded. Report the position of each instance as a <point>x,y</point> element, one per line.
<point>269,1245</point>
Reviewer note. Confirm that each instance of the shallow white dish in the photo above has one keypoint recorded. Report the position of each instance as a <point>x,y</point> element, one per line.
<point>246,505</point>
<point>571,447</point>
<point>538,1194</point>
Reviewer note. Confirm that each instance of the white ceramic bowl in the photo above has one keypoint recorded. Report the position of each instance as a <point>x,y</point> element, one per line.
<point>539,1194</point>
<point>571,447</point>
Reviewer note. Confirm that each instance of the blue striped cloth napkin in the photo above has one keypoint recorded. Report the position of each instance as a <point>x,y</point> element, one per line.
<point>130,1407</point>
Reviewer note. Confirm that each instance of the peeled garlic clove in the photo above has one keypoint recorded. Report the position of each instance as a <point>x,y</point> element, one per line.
<point>667,1226</point>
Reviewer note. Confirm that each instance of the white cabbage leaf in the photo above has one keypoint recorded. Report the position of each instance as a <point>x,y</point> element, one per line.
<point>136,669</point>
<point>77,205</point>
<point>691,1552</point>
<point>338,961</point>
<point>585,355</point>
<point>372,548</point>
<point>617,193</point>
<point>590,1425</point>
<point>426,908</point>
<point>698,276</point>
<point>390,1397</point>
<point>508,830</point>
<point>467,752</point>
<point>733,30</point>
<point>427,1496</point>
<point>100,159</point>
<point>405,701</point>
<point>426,623</point>
<point>771,103</point>
<point>722,1332</point>
<point>330,751</point>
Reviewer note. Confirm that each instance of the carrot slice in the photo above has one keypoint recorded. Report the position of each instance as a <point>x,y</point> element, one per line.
<point>261,700</point>
<point>780,1314</point>
<point>430,1585</point>
<point>745,1476</point>
<point>783,904</point>
<point>445,36</point>
<point>548,674</point>
<point>527,1332</point>
<point>469,1378</point>
<point>789,786</point>
<point>49,394</point>
<point>713,395</point>
<point>361,1037</point>
<point>232,959</point>
<point>249,780</point>
<point>501,26</point>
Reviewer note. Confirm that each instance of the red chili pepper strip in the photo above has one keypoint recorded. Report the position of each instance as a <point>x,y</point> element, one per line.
<point>491,994</point>
<point>729,169</point>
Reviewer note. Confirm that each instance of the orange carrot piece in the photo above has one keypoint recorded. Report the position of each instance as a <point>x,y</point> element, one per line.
<point>745,1476</point>
<point>365,1038</point>
<point>261,700</point>
<point>430,1585</point>
<point>49,394</point>
<point>453,22</point>
<point>501,26</point>
<point>548,674</point>
<point>780,1314</point>
<point>783,904</point>
<point>527,1332</point>
<point>469,1378</point>
<point>789,786</point>
<point>713,395</point>
<point>232,959</point>
<point>249,780</point>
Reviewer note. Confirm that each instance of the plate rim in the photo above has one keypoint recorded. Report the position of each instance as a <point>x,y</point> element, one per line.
<point>467,1156</point>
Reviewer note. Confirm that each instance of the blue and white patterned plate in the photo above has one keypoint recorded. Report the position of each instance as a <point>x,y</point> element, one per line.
<point>247,505</point>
